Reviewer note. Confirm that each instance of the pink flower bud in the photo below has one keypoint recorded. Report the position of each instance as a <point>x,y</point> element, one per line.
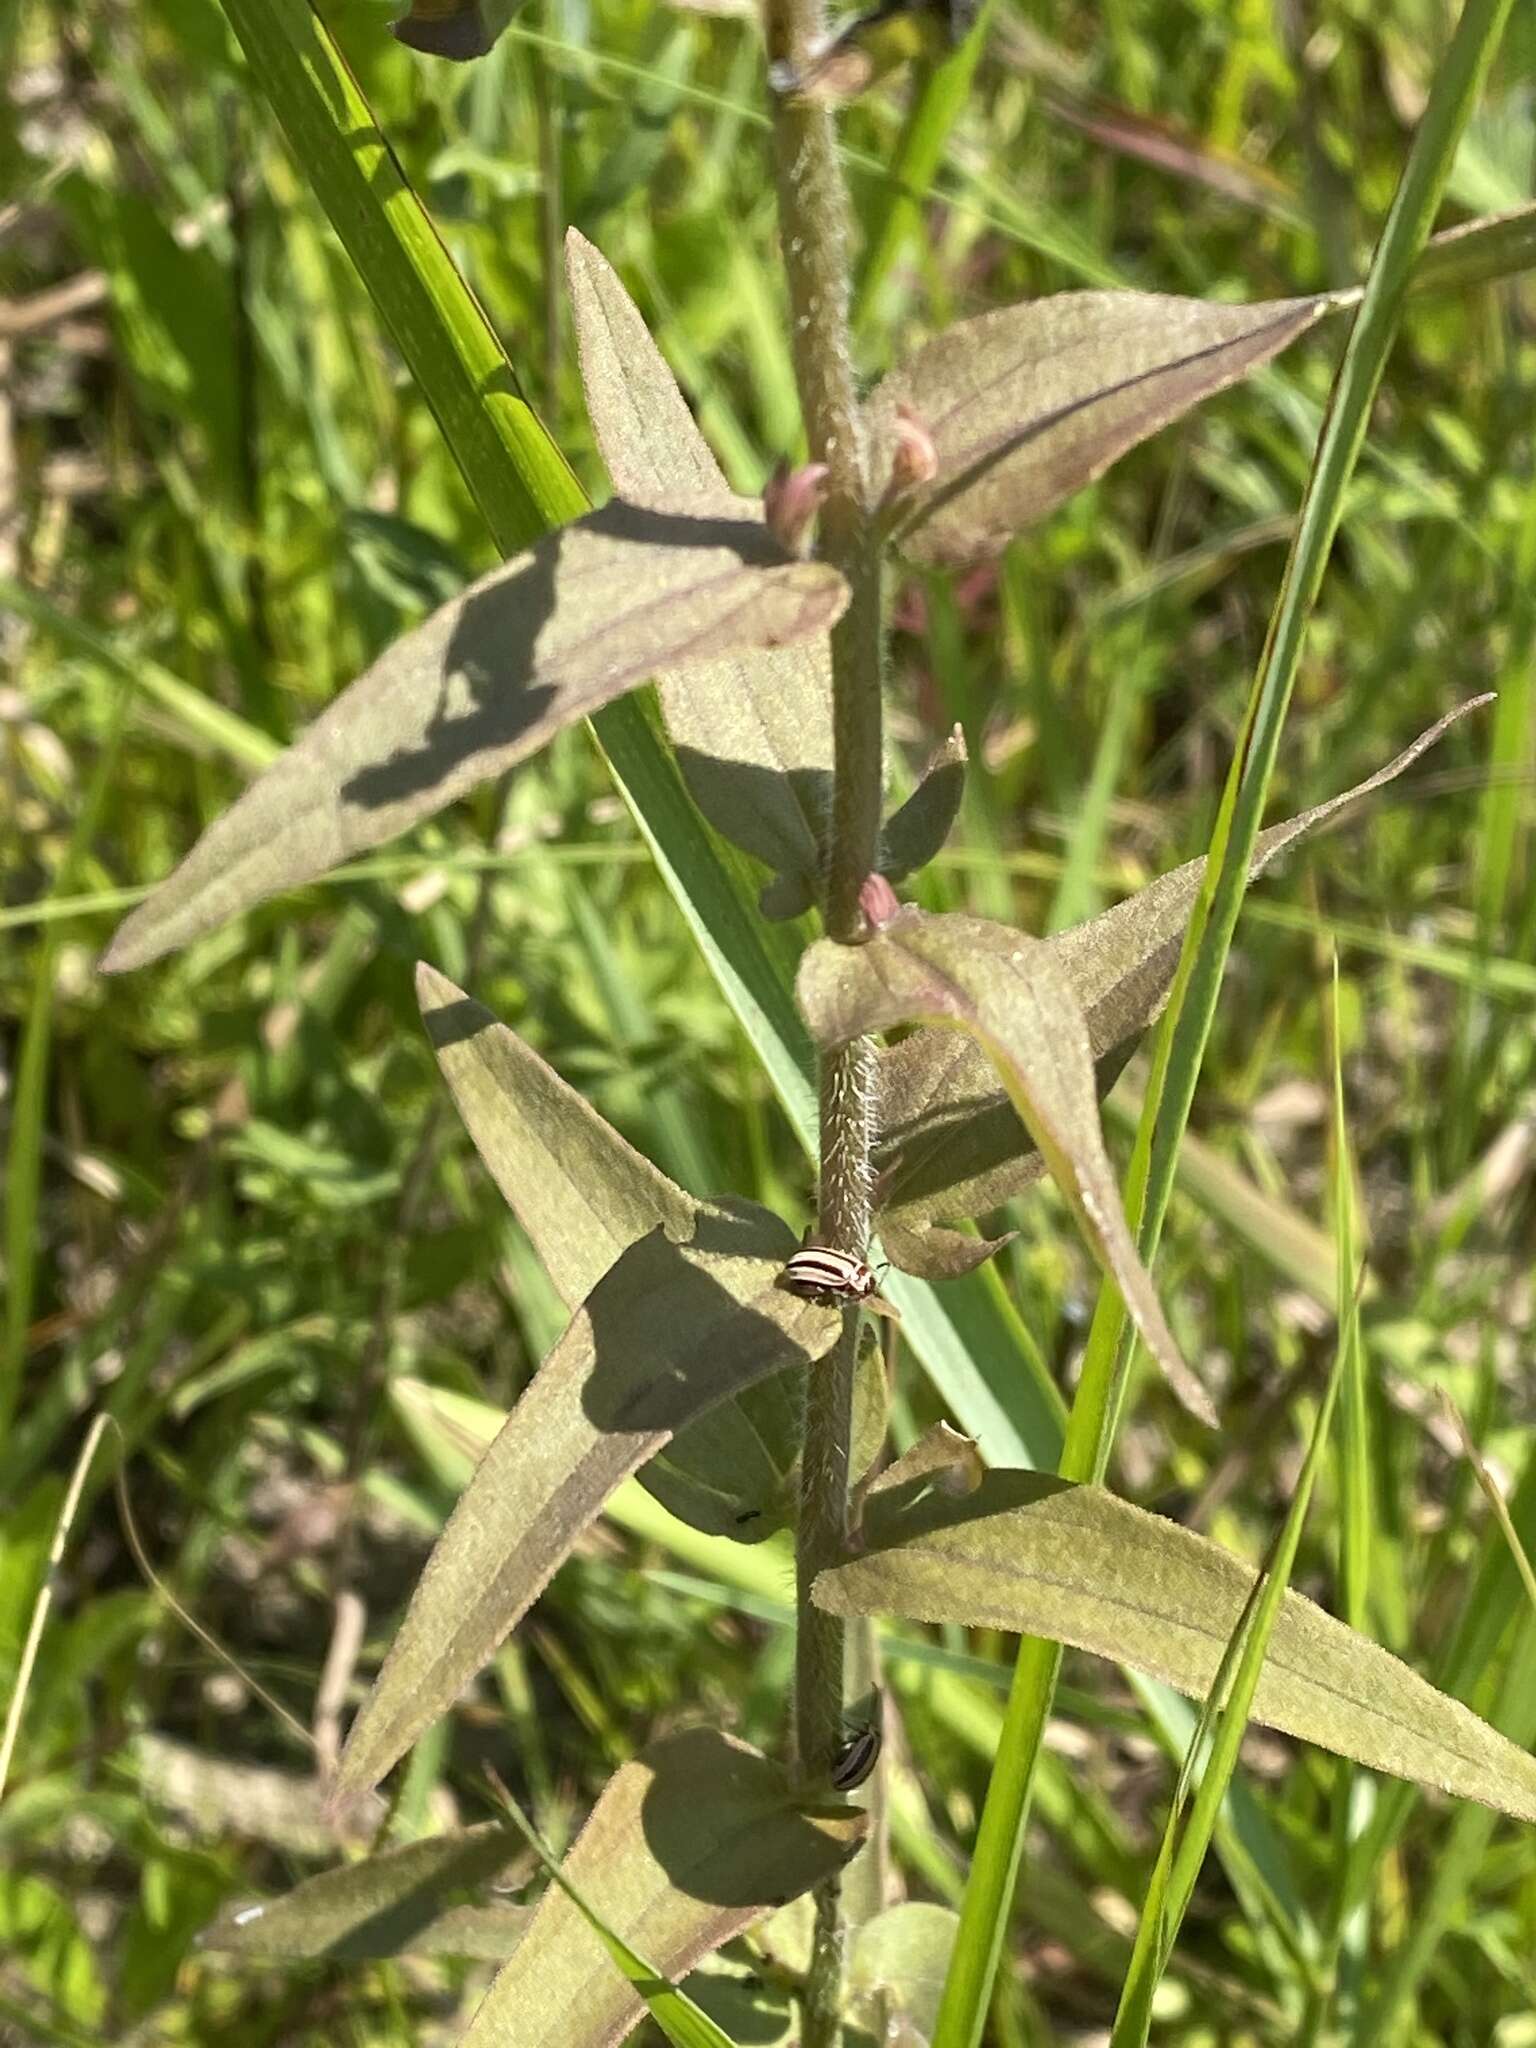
<point>914,458</point>
<point>878,901</point>
<point>791,501</point>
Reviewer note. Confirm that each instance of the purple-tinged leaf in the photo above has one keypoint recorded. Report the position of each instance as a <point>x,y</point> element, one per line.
<point>667,1333</point>
<point>753,733</point>
<point>1008,991</point>
<point>1028,404</point>
<point>917,829</point>
<point>404,1901</point>
<point>951,1143</point>
<point>1078,1565</point>
<point>490,678</point>
<point>934,1253</point>
<point>584,1195</point>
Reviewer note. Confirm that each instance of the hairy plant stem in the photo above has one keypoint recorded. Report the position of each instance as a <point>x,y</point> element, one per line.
<point>814,228</point>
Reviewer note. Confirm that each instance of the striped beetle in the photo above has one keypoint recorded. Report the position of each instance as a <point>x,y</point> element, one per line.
<point>857,1755</point>
<point>830,1277</point>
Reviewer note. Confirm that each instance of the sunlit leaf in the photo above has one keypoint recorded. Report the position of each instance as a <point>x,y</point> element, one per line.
<point>580,1191</point>
<point>691,1842</point>
<point>898,1965</point>
<point>685,2024</point>
<point>668,1332</point>
<point>401,1902</point>
<point>1028,404</point>
<point>489,679</point>
<point>1007,990</point>
<point>753,733</point>
<point>951,1143</point>
<point>1077,1565</point>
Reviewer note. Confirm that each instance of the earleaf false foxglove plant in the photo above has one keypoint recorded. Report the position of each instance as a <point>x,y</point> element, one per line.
<point>685,1359</point>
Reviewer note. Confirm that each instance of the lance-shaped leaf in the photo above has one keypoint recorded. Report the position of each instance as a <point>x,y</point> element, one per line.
<point>580,1191</point>
<point>1027,404</point>
<point>917,829</point>
<point>753,733</point>
<point>404,1901</point>
<point>1078,1565</point>
<point>668,1332</point>
<point>909,839</point>
<point>951,1144</point>
<point>584,1196</point>
<point>1006,989</point>
<point>490,678</point>
<point>692,1841</point>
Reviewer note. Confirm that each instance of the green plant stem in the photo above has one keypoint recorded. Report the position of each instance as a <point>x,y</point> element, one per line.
<point>814,228</point>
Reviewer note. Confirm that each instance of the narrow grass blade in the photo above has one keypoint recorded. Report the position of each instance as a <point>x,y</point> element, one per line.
<point>683,2023</point>
<point>1223,1721</point>
<point>936,106</point>
<point>522,483</point>
<point>45,1592</point>
<point>1493,1494</point>
<point>1213,1754</point>
<point>29,1103</point>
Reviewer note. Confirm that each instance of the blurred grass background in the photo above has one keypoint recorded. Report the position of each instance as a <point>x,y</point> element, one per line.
<point>237,1204</point>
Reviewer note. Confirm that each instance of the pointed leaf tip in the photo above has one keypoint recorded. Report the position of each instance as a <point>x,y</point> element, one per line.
<point>1029,403</point>
<point>753,732</point>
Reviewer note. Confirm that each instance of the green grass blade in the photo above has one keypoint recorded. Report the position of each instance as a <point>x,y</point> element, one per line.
<point>203,720</point>
<point>29,1107</point>
<point>1181,1044</point>
<point>936,106</point>
<point>1357,1503</point>
<point>685,2024</point>
<point>1222,1725</point>
<point>519,478</point>
<point>1224,1718</point>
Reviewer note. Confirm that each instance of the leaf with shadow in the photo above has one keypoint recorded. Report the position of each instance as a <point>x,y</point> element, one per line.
<point>934,1253</point>
<point>400,1902</point>
<point>667,1333</point>
<point>951,1143</point>
<point>1075,1564</point>
<point>550,637</point>
<point>460,30</point>
<point>693,1840</point>
<point>753,733</point>
<point>584,1195</point>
